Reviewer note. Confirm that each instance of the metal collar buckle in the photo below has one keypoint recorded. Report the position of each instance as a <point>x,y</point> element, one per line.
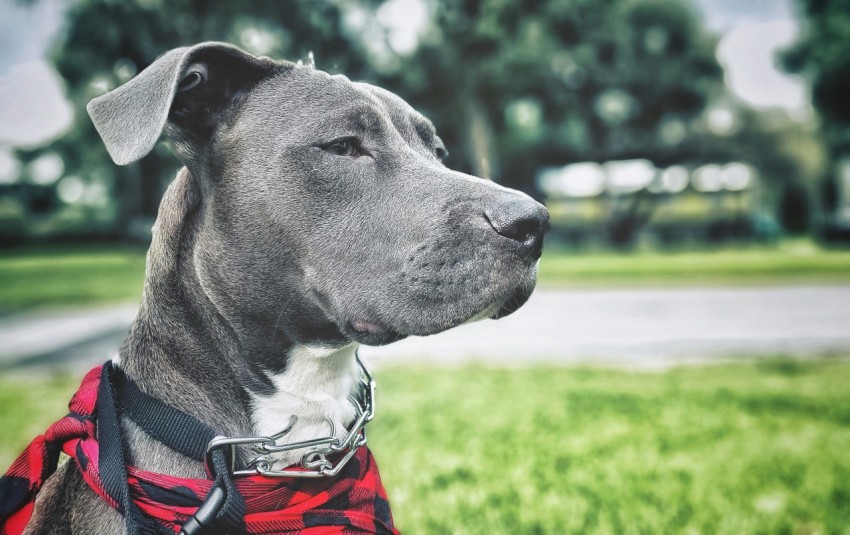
<point>314,462</point>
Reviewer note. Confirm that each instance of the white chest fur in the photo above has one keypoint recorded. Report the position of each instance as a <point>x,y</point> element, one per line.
<point>315,387</point>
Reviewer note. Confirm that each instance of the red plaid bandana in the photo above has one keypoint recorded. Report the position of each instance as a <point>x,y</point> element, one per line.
<point>352,502</point>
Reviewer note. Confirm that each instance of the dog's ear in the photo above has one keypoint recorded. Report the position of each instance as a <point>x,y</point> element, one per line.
<point>186,89</point>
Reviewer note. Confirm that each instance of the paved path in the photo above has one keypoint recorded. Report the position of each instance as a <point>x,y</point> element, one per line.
<point>638,327</point>
<point>75,339</point>
<point>648,327</point>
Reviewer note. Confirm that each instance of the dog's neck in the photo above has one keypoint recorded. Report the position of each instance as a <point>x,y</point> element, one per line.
<point>315,387</point>
<point>183,350</point>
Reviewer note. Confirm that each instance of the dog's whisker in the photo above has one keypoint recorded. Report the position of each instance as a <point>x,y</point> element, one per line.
<point>283,309</point>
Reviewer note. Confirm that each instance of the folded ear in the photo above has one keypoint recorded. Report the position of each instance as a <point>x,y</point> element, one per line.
<point>188,87</point>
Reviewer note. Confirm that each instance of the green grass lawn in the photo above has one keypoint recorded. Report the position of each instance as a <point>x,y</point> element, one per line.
<point>71,276</point>
<point>791,262</point>
<point>753,447</point>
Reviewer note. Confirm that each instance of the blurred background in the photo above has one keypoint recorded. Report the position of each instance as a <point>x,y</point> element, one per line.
<point>694,156</point>
<point>655,123</point>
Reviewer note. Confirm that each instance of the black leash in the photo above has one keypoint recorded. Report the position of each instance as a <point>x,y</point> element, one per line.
<point>223,509</point>
<point>111,464</point>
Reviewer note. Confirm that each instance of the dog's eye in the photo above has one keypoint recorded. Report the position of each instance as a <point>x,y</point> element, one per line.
<point>347,146</point>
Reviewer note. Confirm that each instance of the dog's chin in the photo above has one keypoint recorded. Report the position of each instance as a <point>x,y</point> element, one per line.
<point>373,334</point>
<point>514,302</point>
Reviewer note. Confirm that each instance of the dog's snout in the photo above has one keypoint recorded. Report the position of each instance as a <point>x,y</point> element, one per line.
<point>522,220</point>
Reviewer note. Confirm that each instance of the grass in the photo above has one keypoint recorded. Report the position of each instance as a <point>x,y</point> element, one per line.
<point>69,276</point>
<point>791,262</point>
<point>752,447</point>
<point>82,275</point>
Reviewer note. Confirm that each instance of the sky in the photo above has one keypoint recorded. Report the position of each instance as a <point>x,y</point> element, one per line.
<point>33,110</point>
<point>753,32</point>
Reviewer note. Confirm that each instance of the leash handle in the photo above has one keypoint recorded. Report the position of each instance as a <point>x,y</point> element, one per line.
<point>206,513</point>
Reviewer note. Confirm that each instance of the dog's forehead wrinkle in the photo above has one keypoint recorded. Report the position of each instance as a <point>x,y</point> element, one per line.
<point>297,103</point>
<point>398,107</point>
<point>302,107</point>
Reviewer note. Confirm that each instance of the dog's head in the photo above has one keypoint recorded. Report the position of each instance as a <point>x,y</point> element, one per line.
<point>324,210</point>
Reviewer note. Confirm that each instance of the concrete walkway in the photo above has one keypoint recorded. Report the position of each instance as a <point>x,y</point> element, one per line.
<point>647,327</point>
<point>623,327</point>
<point>64,339</point>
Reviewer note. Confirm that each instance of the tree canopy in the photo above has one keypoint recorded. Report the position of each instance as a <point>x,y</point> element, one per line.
<point>821,53</point>
<point>537,83</point>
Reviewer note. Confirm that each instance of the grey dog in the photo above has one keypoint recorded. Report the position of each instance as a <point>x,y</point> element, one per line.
<point>313,214</point>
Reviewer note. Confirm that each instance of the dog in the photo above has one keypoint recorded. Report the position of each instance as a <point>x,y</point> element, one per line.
<point>312,214</point>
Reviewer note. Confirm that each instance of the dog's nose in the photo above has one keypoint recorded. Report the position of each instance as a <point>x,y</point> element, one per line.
<point>522,220</point>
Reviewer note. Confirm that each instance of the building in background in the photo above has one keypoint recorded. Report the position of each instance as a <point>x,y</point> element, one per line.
<point>627,202</point>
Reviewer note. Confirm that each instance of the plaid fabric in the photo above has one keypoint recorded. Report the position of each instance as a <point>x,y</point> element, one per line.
<point>352,502</point>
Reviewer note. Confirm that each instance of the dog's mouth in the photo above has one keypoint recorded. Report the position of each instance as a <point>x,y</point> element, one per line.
<point>373,332</point>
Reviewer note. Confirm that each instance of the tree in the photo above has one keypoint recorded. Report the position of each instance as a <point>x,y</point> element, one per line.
<point>821,54</point>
